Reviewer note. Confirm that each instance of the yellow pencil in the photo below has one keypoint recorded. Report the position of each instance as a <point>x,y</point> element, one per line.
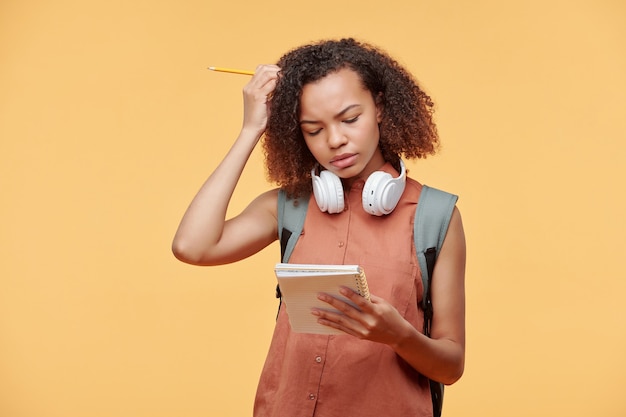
<point>231,70</point>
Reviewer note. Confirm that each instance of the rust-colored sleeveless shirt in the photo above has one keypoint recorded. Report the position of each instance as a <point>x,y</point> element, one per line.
<point>339,375</point>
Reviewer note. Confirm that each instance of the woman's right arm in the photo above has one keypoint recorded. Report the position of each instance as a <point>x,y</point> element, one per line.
<point>204,236</point>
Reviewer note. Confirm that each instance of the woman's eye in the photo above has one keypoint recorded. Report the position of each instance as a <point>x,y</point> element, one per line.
<point>315,132</point>
<point>354,119</point>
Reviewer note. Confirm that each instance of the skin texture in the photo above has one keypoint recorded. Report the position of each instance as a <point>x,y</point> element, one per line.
<point>339,121</point>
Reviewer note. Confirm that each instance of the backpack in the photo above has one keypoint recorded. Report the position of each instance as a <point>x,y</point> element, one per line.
<point>432,218</point>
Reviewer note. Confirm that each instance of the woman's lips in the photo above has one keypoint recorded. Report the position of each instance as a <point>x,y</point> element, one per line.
<point>344,160</point>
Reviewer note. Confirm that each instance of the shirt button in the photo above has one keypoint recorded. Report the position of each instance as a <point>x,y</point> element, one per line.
<point>318,359</point>
<point>311,396</point>
<point>341,244</point>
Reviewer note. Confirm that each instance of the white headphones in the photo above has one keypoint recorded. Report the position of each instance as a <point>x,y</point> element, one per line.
<point>381,191</point>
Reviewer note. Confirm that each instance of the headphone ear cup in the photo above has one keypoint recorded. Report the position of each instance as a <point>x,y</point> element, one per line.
<point>382,192</point>
<point>373,193</point>
<point>328,192</point>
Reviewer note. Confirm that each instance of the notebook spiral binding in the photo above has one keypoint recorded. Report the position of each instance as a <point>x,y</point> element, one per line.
<point>361,284</point>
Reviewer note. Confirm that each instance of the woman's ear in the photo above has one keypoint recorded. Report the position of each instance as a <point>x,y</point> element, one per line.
<point>380,106</point>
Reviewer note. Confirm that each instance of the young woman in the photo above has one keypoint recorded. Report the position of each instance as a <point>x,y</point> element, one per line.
<point>350,110</point>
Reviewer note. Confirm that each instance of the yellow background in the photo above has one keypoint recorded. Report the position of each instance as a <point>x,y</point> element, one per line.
<point>110,121</point>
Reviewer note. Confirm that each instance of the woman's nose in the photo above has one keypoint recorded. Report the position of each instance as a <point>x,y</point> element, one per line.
<point>336,137</point>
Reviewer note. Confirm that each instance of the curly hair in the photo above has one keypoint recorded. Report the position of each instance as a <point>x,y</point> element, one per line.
<point>407,126</point>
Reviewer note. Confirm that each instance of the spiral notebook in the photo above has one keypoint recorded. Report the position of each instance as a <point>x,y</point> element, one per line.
<point>300,284</point>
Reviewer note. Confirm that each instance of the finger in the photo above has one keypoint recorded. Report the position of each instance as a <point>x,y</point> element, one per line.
<point>263,73</point>
<point>362,303</point>
<point>265,84</point>
<point>330,315</point>
<point>338,304</point>
<point>347,314</point>
<point>337,321</point>
<point>267,67</point>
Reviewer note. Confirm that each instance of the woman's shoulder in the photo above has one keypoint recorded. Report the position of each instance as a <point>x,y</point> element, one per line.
<point>269,196</point>
<point>267,201</point>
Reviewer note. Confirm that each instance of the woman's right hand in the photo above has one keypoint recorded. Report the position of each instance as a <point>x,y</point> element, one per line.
<point>255,98</point>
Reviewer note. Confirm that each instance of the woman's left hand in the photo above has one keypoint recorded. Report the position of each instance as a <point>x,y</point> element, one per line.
<point>377,321</point>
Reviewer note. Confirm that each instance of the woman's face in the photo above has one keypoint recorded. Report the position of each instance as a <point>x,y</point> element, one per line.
<point>339,121</point>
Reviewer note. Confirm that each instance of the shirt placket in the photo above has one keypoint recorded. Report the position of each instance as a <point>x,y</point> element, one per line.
<point>321,350</point>
<point>315,362</point>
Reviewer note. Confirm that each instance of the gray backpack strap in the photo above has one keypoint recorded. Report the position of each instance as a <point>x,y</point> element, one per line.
<point>432,218</point>
<point>291,215</point>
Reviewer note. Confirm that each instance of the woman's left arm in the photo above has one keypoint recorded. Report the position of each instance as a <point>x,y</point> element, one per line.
<point>445,349</point>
